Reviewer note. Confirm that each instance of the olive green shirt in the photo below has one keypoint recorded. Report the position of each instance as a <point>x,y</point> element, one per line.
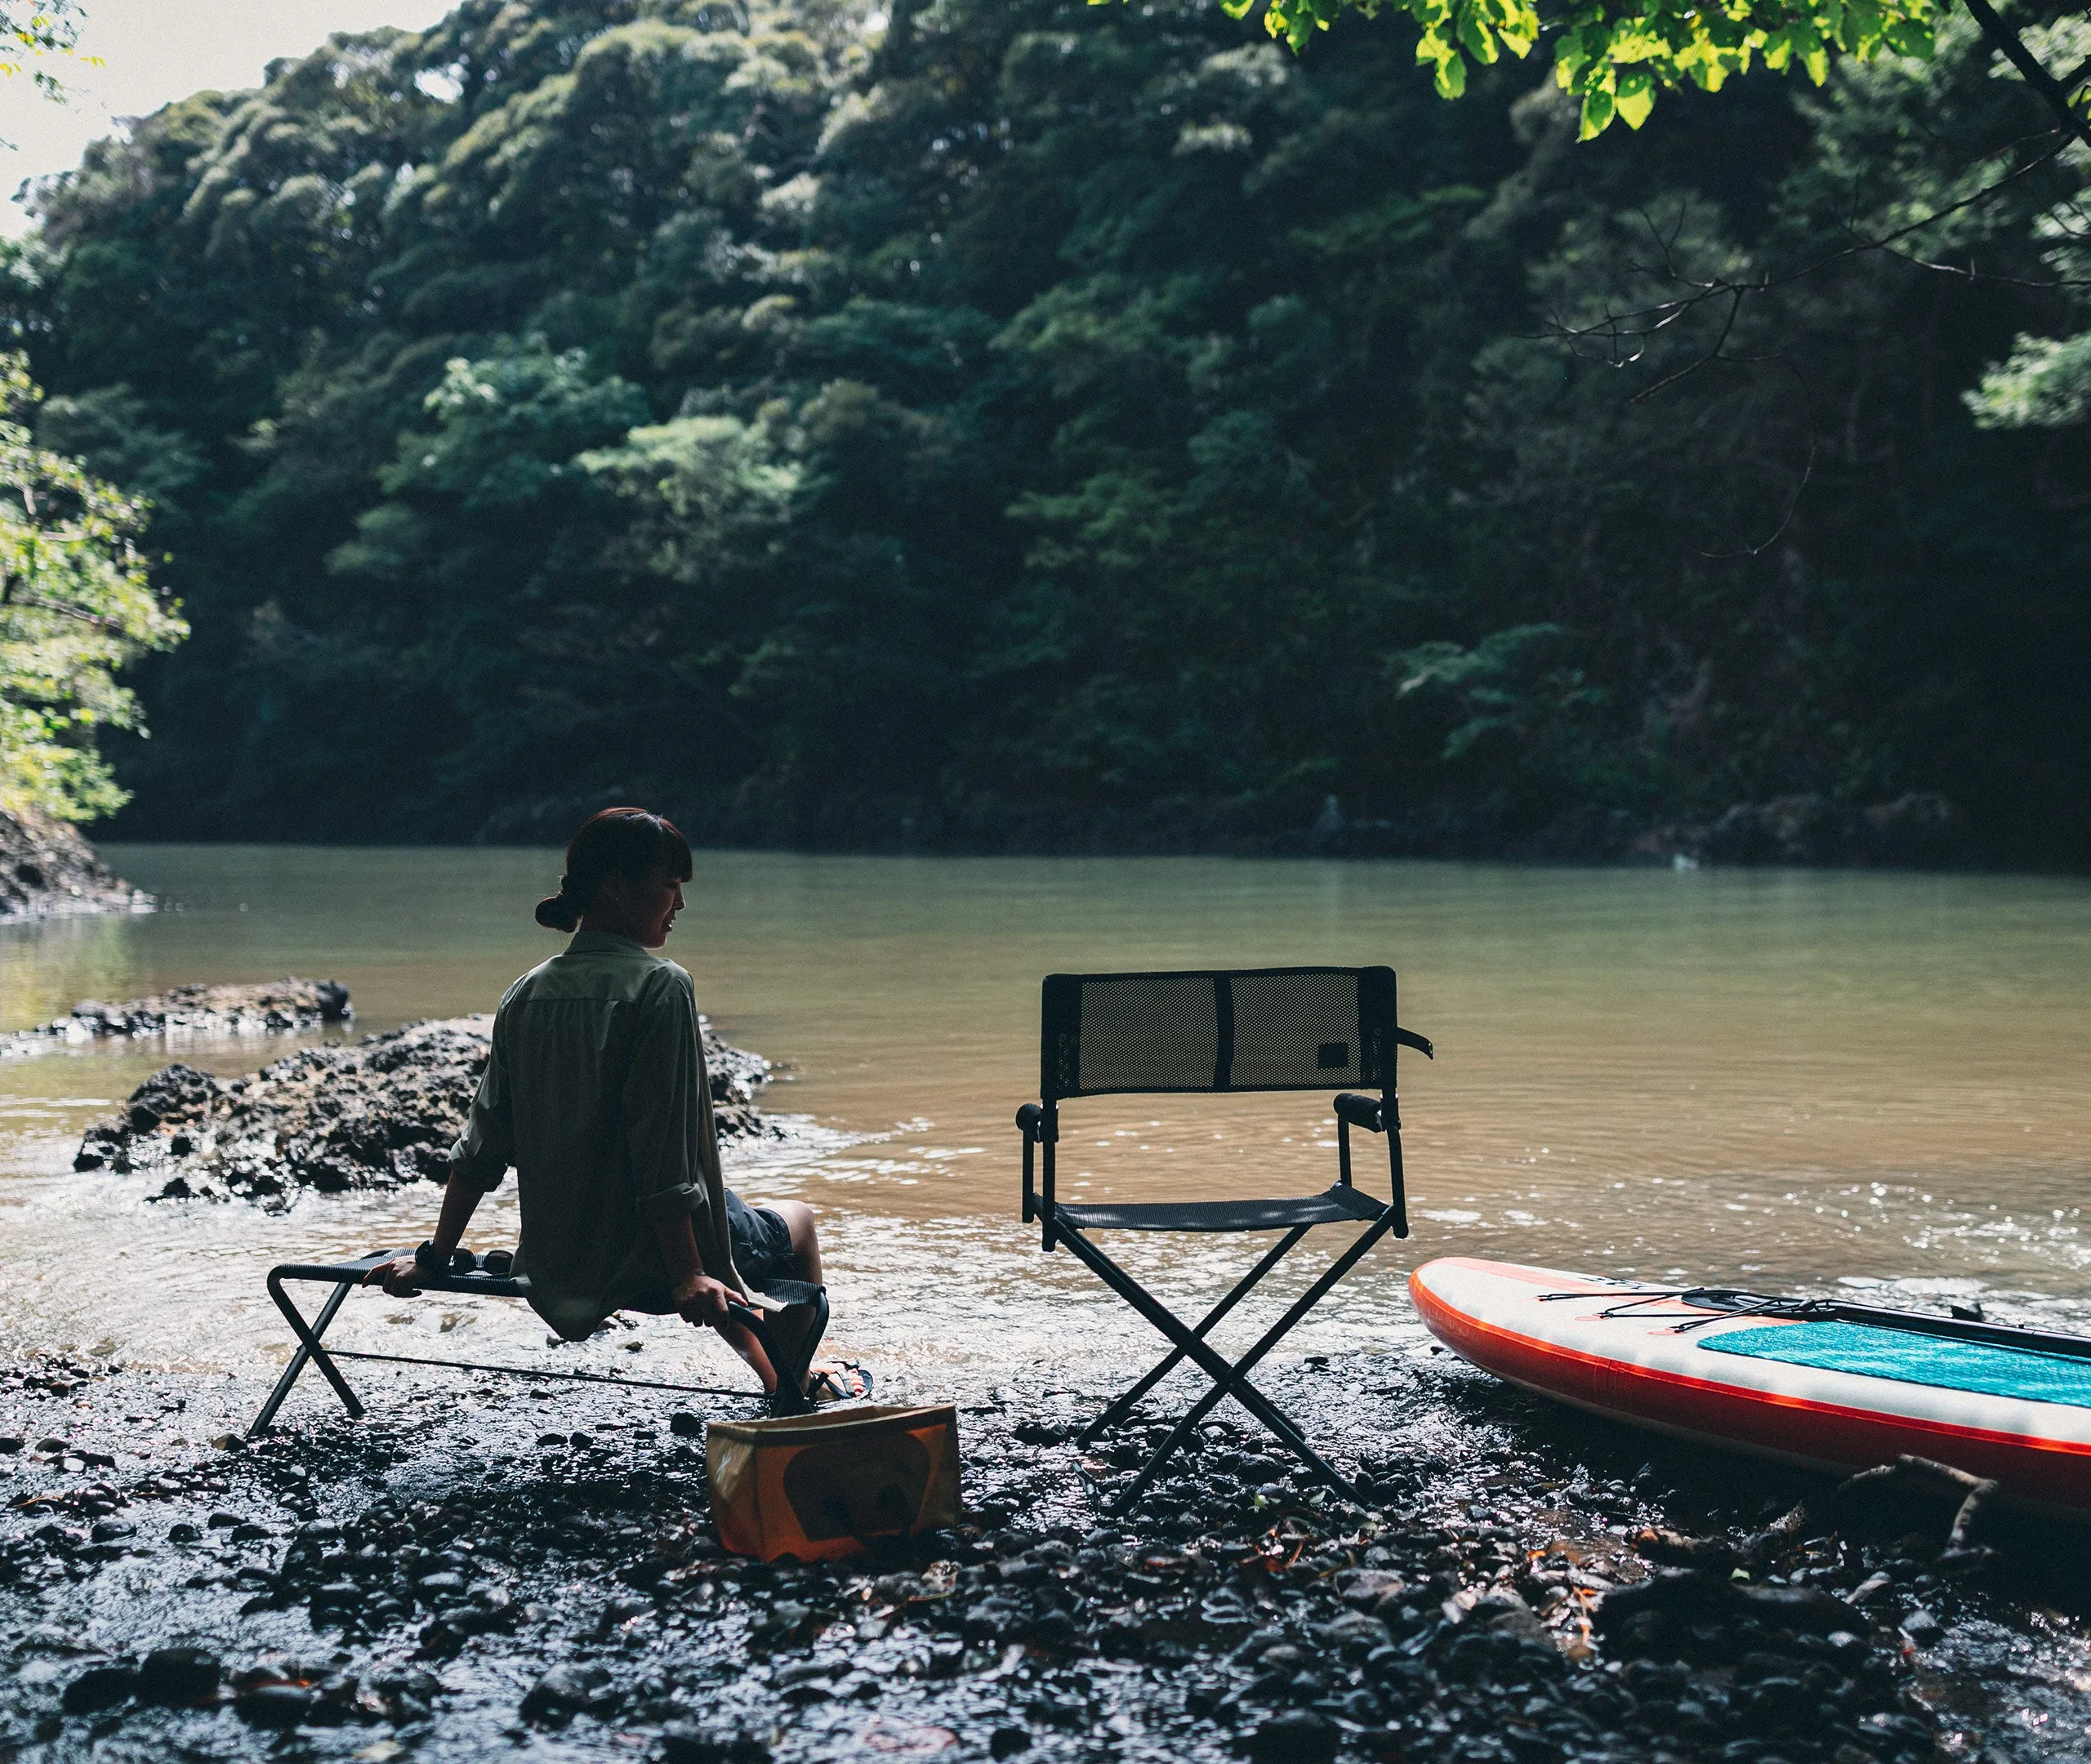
<point>595,1091</point>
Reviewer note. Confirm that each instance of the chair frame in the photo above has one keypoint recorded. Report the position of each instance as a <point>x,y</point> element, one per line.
<point>345,1277</point>
<point>1061,1225</point>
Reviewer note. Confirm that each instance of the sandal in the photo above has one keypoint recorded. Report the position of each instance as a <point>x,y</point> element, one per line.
<point>845,1381</point>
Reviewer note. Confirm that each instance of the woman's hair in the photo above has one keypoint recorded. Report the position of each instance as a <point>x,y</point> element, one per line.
<point>621,842</point>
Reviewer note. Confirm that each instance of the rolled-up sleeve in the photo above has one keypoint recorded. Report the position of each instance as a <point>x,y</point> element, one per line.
<point>487,1147</point>
<point>660,1112</point>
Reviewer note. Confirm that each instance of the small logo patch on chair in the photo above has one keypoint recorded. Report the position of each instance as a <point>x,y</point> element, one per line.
<point>1332,1056</point>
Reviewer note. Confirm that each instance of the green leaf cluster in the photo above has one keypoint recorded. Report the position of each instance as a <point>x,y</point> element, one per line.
<point>35,33</point>
<point>76,607</point>
<point>1613,56</point>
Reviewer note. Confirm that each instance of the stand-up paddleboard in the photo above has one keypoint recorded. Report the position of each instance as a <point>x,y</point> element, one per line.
<point>1812,1381</point>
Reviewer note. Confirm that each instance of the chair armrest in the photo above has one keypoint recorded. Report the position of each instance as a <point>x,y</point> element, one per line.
<point>1422,1044</point>
<point>1360,1111</point>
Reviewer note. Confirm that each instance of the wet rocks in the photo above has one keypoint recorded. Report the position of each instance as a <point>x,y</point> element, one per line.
<point>279,1007</point>
<point>687,1743</point>
<point>1488,1610</point>
<point>48,870</point>
<point>1918,829</point>
<point>566,1691</point>
<point>1651,1616</point>
<point>377,1113</point>
<point>1297,1736</point>
<point>275,1703</point>
<point>174,1675</point>
<point>98,1688</point>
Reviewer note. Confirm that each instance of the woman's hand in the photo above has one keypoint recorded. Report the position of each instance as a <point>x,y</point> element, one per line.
<point>400,1277</point>
<point>702,1300</point>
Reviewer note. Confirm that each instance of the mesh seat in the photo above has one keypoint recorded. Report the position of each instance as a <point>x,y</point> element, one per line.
<point>1218,1030</point>
<point>1331,1207</point>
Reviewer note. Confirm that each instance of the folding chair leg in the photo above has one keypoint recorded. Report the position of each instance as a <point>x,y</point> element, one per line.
<point>1126,1404</point>
<point>1246,1363</point>
<point>308,1349</point>
<point>1259,1406</point>
<point>1227,1381</point>
<point>790,1397</point>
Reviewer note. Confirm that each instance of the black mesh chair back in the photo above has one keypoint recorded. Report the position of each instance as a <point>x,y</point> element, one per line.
<point>1246,1029</point>
<point>1212,1030</point>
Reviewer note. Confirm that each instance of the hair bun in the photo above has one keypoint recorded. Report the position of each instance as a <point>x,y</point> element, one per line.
<point>558,912</point>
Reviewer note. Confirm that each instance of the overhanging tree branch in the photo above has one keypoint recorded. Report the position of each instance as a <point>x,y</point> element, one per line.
<point>2008,43</point>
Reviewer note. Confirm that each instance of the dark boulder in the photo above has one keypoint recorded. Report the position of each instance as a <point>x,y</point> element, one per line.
<point>566,1691</point>
<point>687,1743</point>
<point>1294,1736</point>
<point>1649,1618</point>
<point>275,1703</point>
<point>98,1688</point>
<point>175,1675</point>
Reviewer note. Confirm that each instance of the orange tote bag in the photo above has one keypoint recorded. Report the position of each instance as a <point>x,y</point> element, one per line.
<point>820,1487</point>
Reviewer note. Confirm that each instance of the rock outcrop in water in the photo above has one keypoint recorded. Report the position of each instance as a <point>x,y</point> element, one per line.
<point>278,1007</point>
<point>377,1113</point>
<point>48,870</point>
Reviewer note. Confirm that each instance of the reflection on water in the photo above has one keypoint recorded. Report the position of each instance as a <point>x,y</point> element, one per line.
<point>1779,1077</point>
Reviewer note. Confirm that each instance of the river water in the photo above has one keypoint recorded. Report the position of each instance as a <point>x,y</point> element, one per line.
<point>1790,1080</point>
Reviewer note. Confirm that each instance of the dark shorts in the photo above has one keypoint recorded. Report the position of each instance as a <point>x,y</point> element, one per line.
<point>762,1242</point>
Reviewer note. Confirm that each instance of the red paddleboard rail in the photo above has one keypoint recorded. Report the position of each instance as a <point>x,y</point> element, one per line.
<point>1798,1429</point>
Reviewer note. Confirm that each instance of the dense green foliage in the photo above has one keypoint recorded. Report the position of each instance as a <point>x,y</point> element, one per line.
<point>76,607</point>
<point>1030,423</point>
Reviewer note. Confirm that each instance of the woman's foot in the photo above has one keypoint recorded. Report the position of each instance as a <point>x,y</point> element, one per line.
<point>840,1381</point>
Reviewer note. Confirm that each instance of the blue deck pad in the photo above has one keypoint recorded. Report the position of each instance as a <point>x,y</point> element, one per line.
<point>1913,1359</point>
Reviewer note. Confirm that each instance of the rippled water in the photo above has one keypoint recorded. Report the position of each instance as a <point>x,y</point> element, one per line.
<point>1782,1078</point>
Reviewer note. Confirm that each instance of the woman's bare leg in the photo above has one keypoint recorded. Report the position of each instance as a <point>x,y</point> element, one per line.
<point>805,1240</point>
<point>750,1349</point>
<point>790,1326</point>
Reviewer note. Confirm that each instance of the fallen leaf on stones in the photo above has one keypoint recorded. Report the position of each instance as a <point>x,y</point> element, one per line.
<point>906,1742</point>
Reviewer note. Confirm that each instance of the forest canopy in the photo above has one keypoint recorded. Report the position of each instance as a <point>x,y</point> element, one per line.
<point>1030,425</point>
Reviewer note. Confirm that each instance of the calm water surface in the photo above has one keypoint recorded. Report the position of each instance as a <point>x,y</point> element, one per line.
<point>1785,1078</point>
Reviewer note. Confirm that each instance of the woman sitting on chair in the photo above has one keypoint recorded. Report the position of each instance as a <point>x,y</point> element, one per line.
<point>595,1091</point>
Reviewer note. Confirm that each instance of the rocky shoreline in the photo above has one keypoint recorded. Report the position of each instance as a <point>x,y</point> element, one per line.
<point>1919,830</point>
<point>377,1113</point>
<point>477,1568</point>
<point>48,870</point>
<point>289,1006</point>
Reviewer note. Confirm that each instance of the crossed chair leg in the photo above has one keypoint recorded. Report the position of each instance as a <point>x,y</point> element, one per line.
<point>1230,1379</point>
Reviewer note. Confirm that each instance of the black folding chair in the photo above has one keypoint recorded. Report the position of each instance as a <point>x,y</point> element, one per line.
<point>1209,1031</point>
<point>789,1398</point>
